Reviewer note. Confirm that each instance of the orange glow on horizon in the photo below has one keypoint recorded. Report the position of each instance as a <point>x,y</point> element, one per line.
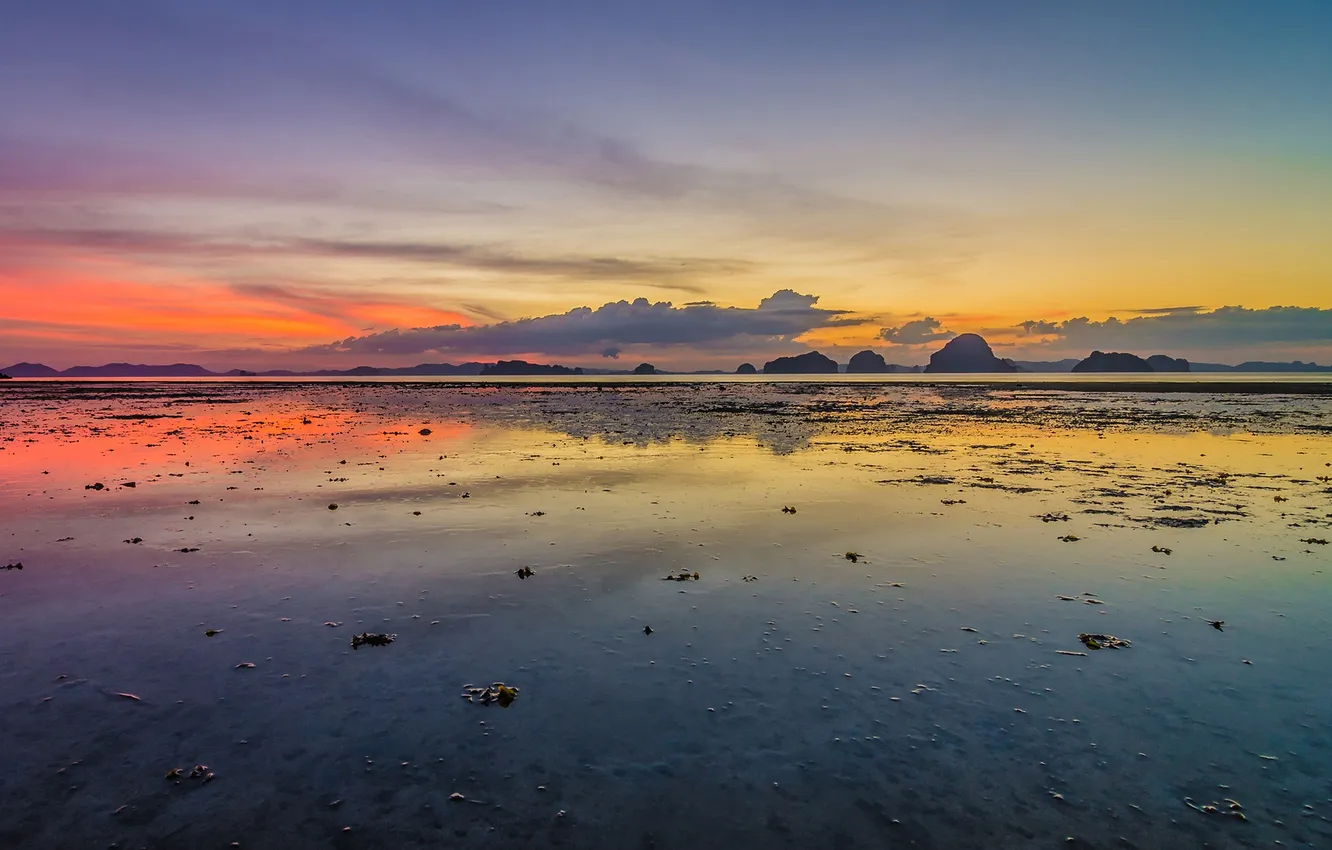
<point>90,295</point>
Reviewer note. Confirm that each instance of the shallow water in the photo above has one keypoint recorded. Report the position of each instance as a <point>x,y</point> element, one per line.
<point>825,703</point>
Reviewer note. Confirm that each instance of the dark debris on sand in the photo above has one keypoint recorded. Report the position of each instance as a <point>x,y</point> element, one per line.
<point>372,639</point>
<point>1098,641</point>
<point>199,772</point>
<point>1177,521</point>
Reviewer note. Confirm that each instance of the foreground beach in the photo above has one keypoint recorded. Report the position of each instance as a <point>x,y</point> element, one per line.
<point>881,647</point>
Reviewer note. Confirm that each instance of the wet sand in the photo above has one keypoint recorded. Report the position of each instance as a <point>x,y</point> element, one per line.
<point>918,695</point>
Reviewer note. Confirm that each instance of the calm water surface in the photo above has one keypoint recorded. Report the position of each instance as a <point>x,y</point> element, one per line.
<point>790,697</point>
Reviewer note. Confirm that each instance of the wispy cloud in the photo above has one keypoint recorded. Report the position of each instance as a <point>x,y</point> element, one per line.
<point>677,273</point>
<point>661,271</point>
<point>1147,310</point>
<point>423,130</point>
<point>38,171</point>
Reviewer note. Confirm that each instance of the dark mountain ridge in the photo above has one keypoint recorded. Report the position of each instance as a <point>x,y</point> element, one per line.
<point>860,364</point>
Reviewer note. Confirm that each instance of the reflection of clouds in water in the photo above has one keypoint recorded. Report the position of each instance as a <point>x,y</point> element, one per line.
<point>787,417</point>
<point>645,418</point>
<point>932,488</point>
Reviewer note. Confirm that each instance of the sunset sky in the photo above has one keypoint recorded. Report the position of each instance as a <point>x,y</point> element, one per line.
<point>302,183</point>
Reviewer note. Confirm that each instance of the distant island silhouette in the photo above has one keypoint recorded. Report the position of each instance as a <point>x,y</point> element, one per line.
<point>1116,361</point>
<point>968,353</point>
<point>1162,363</point>
<point>962,354</point>
<point>809,363</point>
<point>1260,366</point>
<point>522,367</point>
<point>869,362</point>
<point>866,362</point>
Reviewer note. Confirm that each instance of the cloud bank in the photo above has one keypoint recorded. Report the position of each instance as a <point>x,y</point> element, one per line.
<point>1215,331</point>
<point>607,330</point>
<point>918,332</point>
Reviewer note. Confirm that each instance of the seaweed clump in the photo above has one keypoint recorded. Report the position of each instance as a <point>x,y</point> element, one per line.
<point>371,639</point>
<point>1095,641</point>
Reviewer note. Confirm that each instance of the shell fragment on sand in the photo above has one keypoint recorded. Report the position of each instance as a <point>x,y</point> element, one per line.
<point>494,693</point>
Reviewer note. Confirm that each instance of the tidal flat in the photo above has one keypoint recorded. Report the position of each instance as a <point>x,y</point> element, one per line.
<point>888,632</point>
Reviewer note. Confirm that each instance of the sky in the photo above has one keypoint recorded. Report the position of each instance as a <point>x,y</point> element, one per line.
<point>326,183</point>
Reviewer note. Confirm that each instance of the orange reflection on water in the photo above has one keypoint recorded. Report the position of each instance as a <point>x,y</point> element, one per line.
<point>116,443</point>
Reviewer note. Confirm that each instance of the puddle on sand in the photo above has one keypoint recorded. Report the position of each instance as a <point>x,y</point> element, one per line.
<point>920,695</point>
